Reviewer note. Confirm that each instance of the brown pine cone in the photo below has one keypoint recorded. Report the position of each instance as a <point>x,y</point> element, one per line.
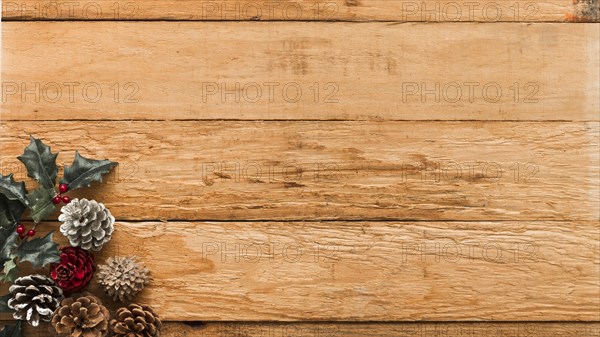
<point>122,277</point>
<point>136,321</point>
<point>81,316</point>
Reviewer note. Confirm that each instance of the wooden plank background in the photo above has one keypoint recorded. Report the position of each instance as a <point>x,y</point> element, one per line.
<point>292,71</point>
<point>260,329</point>
<point>504,329</point>
<point>225,170</point>
<point>360,271</point>
<point>374,203</point>
<point>307,10</point>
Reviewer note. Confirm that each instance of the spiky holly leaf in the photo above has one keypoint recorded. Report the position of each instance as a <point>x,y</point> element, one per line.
<point>40,251</point>
<point>13,330</point>
<point>13,190</point>
<point>4,303</point>
<point>40,203</point>
<point>10,271</point>
<point>84,171</point>
<point>10,211</point>
<point>8,239</point>
<point>7,255</point>
<point>40,162</point>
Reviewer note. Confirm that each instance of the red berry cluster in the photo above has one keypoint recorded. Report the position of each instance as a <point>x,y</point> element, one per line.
<point>21,231</point>
<point>63,188</point>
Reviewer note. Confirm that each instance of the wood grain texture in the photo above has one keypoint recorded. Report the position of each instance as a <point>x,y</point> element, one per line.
<point>425,329</point>
<point>327,329</point>
<point>365,271</point>
<point>332,170</point>
<point>299,71</point>
<point>308,10</point>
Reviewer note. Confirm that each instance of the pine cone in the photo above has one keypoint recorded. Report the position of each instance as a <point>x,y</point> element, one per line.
<point>87,224</point>
<point>122,277</point>
<point>136,321</point>
<point>34,298</point>
<point>81,316</point>
<point>75,269</point>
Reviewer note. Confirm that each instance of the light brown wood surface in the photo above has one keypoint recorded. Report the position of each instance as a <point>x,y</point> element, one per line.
<point>299,71</point>
<point>337,211</point>
<point>547,271</point>
<point>332,170</point>
<point>425,329</point>
<point>365,271</point>
<point>307,10</point>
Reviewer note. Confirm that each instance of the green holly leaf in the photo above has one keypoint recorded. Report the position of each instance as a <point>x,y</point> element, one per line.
<point>10,211</point>
<point>10,271</point>
<point>8,238</point>
<point>84,171</point>
<point>40,162</point>
<point>13,190</point>
<point>40,251</point>
<point>40,203</point>
<point>4,303</point>
<point>11,330</point>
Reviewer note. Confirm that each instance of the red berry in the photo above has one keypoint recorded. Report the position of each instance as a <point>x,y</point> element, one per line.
<point>31,232</point>
<point>21,229</point>
<point>63,188</point>
<point>66,199</point>
<point>22,235</point>
<point>56,200</point>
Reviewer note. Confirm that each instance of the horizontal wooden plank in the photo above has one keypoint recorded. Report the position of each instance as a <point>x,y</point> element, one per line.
<point>332,170</point>
<point>426,329</point>
<point>327,329</point>
<point>366,271</point>
<point>307,10</point>
<point>296,71</point>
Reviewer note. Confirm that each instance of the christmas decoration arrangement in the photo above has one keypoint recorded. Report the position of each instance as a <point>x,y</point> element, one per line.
<point>59,297</point>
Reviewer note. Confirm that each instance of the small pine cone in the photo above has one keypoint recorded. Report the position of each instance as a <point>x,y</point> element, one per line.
<point>87,224</point>
<point>136,321</point>
<point>122,277</point>
<point>82,315</point>
<point>75,269</point>
<point>34,298</point>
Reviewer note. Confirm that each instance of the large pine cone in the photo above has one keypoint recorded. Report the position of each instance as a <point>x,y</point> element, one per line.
<point>75,269</point>
<point>87,224</point>
<point>136,321</point>
<point>81,316</point>
<point>122,277</point>
<point>34,298</point>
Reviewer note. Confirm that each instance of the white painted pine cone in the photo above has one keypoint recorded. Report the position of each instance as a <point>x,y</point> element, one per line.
<point>34,298</point>
<point>87,224</point>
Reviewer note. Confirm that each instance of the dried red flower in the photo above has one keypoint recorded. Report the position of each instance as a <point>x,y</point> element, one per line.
<point>75,270</point>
